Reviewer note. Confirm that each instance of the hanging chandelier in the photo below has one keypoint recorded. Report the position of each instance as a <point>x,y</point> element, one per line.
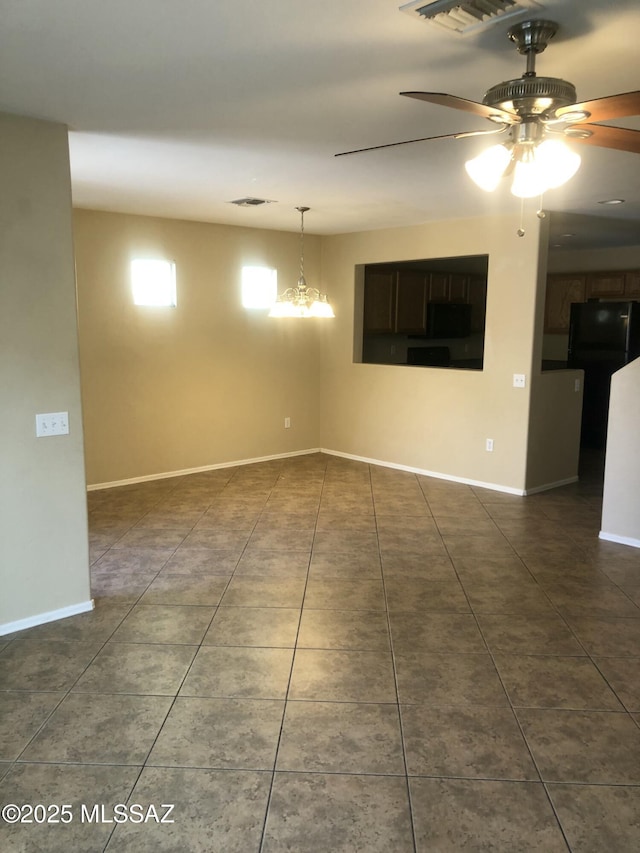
<point>301,300</point>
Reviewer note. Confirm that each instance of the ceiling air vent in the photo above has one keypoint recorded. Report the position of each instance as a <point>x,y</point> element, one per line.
<point>468,17</point>
<point>251,202</point>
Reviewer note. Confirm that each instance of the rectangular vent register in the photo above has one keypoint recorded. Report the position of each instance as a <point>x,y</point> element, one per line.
<point>471,16</point>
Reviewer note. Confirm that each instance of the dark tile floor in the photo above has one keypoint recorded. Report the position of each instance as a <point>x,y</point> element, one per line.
<point>317,655</point>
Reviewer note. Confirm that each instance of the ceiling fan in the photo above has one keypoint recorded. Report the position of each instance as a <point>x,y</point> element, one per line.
<point>537,114</point>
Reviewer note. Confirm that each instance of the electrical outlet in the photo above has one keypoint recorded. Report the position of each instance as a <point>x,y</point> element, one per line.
<point>489,445</point>
<point>52,423</point>
<point>287,423</point>
<point>576,385</point>
<point>519,380</point>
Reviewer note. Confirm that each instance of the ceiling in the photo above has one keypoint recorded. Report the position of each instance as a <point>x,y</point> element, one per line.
<point>176,108</point>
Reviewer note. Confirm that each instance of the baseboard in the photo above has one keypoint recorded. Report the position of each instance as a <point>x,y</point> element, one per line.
<point>438,475</point>
<point>496,487</point>
<point>547,486</point>
<point>43,618</point>
<point>621,540</point>
<point>166,475</point>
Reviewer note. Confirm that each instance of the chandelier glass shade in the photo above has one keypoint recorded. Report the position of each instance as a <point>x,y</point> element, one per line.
<point>537,166</point>
<point>301,300</point>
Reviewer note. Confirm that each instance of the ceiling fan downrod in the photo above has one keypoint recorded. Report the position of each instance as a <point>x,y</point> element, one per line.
<point>531,38</point>
<point>530,96</point>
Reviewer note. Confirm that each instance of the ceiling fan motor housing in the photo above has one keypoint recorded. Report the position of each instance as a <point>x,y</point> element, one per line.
<point>531,96</point>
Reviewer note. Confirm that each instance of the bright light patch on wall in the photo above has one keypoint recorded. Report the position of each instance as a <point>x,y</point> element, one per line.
<point>153,282</point>
<point>259,287</point>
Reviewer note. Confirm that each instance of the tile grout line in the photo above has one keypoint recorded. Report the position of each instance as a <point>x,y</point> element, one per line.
<point>286,696</point>
<point>395,679</point>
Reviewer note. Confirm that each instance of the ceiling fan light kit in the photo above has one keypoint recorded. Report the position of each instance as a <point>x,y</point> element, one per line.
<point>537,166</point>
<point>543,167</point>
<point>537,163</point>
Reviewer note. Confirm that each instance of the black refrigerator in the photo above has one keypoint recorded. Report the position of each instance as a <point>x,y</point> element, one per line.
<point>603,337</point>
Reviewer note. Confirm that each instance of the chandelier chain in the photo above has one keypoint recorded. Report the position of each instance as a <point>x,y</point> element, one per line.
<point>302,210</point>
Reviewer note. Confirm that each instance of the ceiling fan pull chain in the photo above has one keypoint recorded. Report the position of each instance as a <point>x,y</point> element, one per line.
<point>520,231</point>
<point>540,212</point>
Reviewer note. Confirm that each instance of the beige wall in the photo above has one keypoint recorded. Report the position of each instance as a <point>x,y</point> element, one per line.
<point>434,419</point>
<point>621,501</point>
<point>209,383</point>
<point>202,384</point>
<point>554,431</point>
<point>44,558</point>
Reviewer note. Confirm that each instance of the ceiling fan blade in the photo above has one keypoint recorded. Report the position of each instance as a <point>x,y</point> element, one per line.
<point>603,109</point>
<point>493,113</point>
<point>620,138</point>
<point>393,144</point>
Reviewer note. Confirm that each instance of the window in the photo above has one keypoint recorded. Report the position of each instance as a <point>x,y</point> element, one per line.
<point>153,282</point>
<point>259,287</point>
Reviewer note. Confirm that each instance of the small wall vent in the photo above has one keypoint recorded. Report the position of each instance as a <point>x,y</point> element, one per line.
<point>468,16</point>
<point>251,202</point>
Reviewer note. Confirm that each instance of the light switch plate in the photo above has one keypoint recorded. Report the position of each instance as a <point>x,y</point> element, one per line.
<point>52,423</point>
<point>519,380</point>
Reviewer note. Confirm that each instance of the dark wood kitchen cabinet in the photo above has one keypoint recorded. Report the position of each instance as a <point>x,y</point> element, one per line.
<point>439,287</point>
<point>477,297</point>
<point>632,284</point>
<point>458,288</point>
<point>448,287</point>
<point>605,285</point>
<point>379,302</point>
<point>565,288</point>
<point>562,290</point>
<point>411,303</point>
<point>395,302</point>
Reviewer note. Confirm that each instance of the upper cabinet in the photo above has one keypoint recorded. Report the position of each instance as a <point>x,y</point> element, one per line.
<point>565,288</point>
<point>438,287</point>
<point>562,290</point>
<point>395,301</point>
<point>411,303</point>
<point>632,284</point>
<point>380,302</point>
<point>458,288</point>
<point>605,285</point>
<point>477,294</point>
<point>448,287</point>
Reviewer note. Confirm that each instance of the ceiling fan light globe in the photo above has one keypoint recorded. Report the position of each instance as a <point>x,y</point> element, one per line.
<point>528,179</point>
<point>557,161</point>
<point>487,168</point>
<point>549,165</point>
